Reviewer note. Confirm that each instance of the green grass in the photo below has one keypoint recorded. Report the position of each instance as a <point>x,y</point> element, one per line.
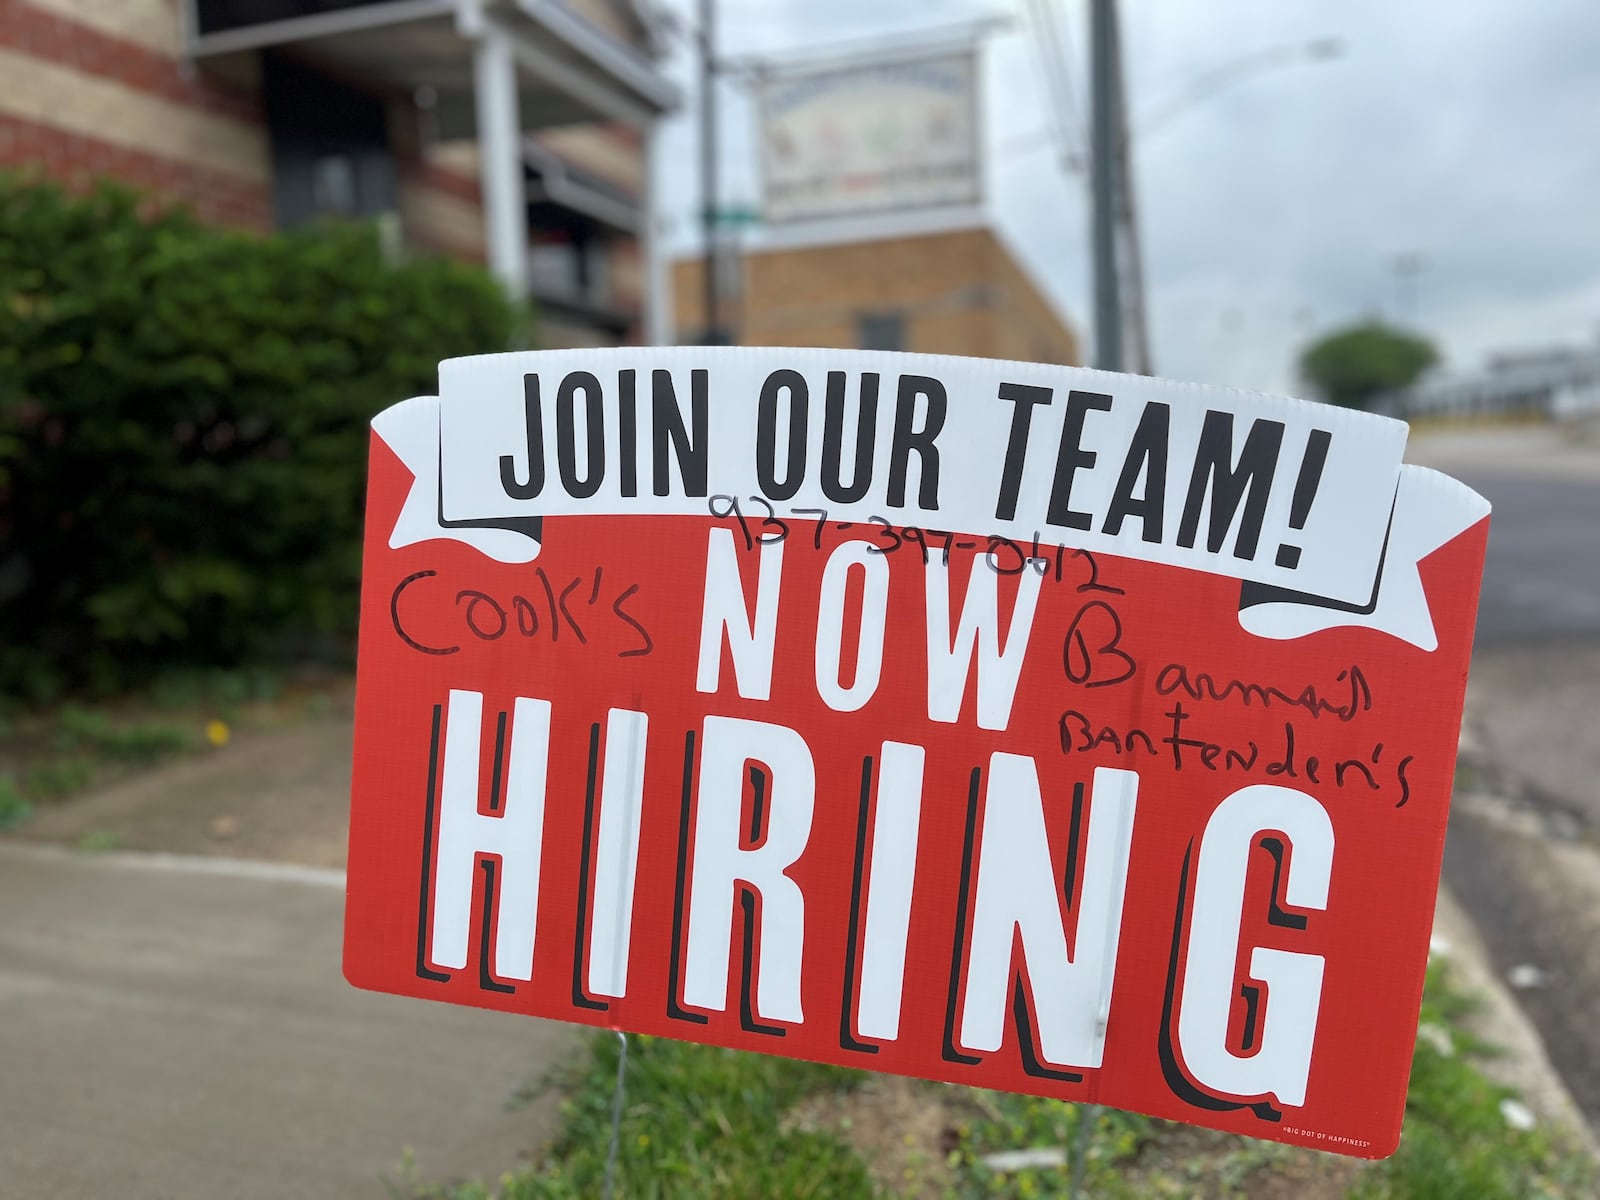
<point>1108,1139</point>
<point>89,732</point>
<point>51,753</point>
<point>706,1122</point>
<point>99,841</point>
<point>698,1122</point>
<point>57,755</point>
<point>226,690</point>
<point>1456,1140</point>
<point>1122,1156</point>
<point>15,807</point>
<point>57,777</point>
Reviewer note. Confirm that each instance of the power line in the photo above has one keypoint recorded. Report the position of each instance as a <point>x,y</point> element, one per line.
<point>1053,57</point>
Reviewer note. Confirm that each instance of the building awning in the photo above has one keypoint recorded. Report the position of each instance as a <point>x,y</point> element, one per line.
<point>568,70</point>
<point>553,181</point>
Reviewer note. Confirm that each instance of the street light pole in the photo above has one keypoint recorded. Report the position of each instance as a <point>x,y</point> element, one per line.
<point>1235,71</point>
<point>1103,158</point>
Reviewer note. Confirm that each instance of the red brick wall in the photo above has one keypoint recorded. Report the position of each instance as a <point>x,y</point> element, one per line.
<point>78,161</point>
<point>166,167</point>
<point>39,33</point>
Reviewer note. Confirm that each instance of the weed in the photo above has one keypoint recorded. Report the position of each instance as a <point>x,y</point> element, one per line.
<point>84,730</point>
<point>1456,1140</point>
<point>14,806</point>
<point>1105,1139</point>
<point>700,1121</point>
<point>704,1121</point>
<point>55,778</point>
<point>177,691</point>
<point>98,841</point>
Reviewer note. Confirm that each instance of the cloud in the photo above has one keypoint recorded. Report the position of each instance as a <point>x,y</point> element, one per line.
<point>1275,208</point>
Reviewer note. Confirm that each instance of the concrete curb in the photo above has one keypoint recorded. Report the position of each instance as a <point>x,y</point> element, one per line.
<point>192,864</point>
<point>1545,451</point>
<point>1525,1065</point>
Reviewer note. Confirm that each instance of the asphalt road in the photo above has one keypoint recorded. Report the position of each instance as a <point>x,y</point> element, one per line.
<point>1523,853</point>
<point>1542,579</point>
<point>179,1027</point>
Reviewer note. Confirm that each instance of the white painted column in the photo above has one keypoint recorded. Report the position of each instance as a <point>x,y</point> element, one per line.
<point>658,324</point>
<point>494,79</point>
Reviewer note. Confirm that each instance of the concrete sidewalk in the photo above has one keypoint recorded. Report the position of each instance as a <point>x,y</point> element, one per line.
<point>179,1027</point>
<point>1530,451</point>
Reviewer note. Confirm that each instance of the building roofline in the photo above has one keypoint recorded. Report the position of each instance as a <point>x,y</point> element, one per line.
<point>312,25</point>
<point>1031,277</point>
<point>865,227</point>
<point>616,61</point>
<point>621,61</point>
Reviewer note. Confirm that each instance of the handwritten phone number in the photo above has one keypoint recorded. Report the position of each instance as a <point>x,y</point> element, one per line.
<point>1003,555</point>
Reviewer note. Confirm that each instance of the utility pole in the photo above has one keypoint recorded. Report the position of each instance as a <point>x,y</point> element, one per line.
<point>1407,267</point>
<point>1104,135</point>
<point>712,317</point>
<point>1138,360</point>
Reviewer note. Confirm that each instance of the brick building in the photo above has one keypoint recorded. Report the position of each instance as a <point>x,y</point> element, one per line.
<point>953,288</point>
<point>512,132</point>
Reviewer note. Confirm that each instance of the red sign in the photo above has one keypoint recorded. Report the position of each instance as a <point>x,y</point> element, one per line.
<point>1013,811</point>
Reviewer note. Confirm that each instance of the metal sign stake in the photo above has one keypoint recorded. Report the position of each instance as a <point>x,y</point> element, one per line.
<point>616,1115</point>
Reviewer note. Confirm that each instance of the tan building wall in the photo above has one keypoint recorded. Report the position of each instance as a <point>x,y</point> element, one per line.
<point>958,292</point>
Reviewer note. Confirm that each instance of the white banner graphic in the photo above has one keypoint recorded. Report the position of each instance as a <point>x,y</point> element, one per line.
<point>1308,505</point>
<point>883,136</point>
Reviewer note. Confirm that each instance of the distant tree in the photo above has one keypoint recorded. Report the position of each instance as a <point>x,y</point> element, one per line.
<point>1354,366</point>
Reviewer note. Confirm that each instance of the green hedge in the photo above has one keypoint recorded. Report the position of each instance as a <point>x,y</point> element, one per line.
<point>183,430</point>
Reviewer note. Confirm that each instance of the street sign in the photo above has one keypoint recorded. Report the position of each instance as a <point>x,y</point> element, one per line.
<point>736,216</point>
<point>1020,726</point>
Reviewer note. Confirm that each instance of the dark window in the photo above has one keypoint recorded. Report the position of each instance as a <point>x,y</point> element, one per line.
<point>333,183</point>
<point>330,146</point>
<point>881,331</point>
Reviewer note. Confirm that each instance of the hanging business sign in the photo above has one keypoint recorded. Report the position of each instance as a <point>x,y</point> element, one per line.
<point>1021,726</point>
<point>881,136</point>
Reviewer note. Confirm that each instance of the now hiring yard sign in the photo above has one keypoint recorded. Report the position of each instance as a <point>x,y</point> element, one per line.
<point>1021,726</point>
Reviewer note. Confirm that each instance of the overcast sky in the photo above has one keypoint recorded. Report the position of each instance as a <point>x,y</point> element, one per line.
<point>1467,132</point>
